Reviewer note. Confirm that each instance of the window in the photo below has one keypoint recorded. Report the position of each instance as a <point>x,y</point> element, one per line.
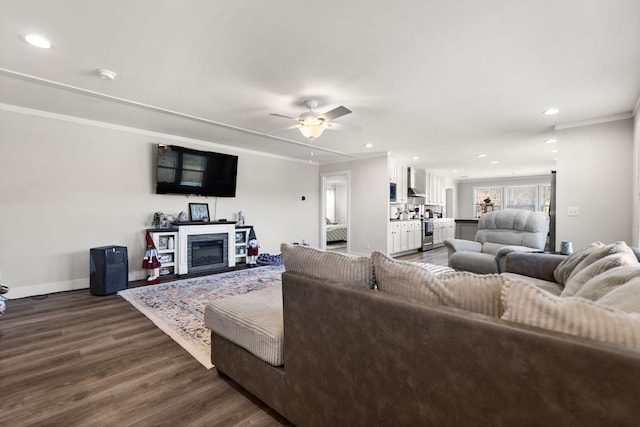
<point>521,197</point>
<point>544,200</point>
<point>528,197</point>
<point>494,194</point>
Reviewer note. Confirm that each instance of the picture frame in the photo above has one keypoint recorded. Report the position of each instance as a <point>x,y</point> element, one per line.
<point>199,211</point>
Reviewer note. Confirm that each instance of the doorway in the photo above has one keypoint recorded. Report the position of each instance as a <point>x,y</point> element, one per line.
<point>335,215</point>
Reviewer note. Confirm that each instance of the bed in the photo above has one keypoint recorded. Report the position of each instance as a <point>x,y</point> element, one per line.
<point>336,233</point>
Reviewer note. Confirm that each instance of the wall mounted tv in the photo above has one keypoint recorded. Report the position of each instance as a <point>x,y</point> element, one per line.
<point>185,171</point>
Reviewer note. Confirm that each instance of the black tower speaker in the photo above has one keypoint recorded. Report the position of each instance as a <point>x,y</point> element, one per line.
<point>108,269</point>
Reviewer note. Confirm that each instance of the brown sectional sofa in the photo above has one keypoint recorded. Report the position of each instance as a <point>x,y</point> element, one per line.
<point>355,356</point>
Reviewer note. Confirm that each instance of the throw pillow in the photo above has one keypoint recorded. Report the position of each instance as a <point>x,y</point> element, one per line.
<point>602,284</point>
<point>577,280</point>
<point>585,257</point>
<point>625,297</point>
<point>524,303</point>
<point>325,265</point>
<point>472,292</point>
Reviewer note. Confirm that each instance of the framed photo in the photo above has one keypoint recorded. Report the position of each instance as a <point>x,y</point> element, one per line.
<point>199,211</point>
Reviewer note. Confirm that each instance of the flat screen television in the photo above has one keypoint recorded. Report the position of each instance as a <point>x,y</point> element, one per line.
<point>185,171</point>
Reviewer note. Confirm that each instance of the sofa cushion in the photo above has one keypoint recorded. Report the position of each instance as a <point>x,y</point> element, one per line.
<point>467,291</point>
<point>326,265</point>
<point>551,287</point>
<point>577,280</point>
<point>474,261</point>
<point>253,321</point>
<point>602,284</point>
<point>526,304</point>
<point>625,297</point>
<point>577,261</point>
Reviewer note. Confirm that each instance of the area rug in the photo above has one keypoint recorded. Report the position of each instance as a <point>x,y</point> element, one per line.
<point>177,308</point>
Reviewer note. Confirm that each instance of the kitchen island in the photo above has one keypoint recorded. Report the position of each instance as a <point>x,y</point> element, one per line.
<point>466,228</point>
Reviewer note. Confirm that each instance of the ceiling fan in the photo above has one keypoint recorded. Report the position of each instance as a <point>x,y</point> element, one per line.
<point>312,124</point>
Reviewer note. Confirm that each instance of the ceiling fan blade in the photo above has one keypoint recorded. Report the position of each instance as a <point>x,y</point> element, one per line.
<point>342,127</point>
<point>283,116</point>
<point>335,113</point>
<point>285,128</point>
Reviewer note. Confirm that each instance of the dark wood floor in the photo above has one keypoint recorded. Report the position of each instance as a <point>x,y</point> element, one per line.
<point>74,359</point>
<point>438,256</point>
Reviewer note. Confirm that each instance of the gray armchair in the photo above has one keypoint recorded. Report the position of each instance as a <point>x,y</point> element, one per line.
<point>499,233</point>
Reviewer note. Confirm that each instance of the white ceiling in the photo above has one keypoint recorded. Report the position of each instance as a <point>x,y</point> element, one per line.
<point>441,80</point>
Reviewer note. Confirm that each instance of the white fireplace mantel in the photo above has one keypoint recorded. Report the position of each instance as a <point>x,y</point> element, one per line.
<point>184,231</point>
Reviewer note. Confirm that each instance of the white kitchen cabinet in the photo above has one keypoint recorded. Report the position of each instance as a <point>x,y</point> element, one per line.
<point>417,234</point>
<point>398,174</point>
<point>404,236</point>
<point>443,228</point>
<point>391,170</point>
<point>395,236</point>
<point>401,182</point>
<point>435,189</point>
<point>450,228</point>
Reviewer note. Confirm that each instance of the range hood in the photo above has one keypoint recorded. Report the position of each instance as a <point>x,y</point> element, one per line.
<point>416,178</point>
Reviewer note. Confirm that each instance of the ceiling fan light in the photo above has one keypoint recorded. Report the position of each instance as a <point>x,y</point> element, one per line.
<point>38,41</point>
<point>311,131</point>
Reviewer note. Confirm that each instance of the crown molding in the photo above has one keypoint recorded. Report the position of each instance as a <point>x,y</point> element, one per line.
<point>128,102</point>
<point>605,119</point>
<point>152,134</point>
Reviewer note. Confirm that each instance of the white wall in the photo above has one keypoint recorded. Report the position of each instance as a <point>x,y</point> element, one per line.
<point>595,174</point>
<point>369,202</point>
<point>67,185</point>
<point>465,198</point>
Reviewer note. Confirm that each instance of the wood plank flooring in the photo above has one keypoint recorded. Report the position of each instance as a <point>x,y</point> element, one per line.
<point>75,359</point>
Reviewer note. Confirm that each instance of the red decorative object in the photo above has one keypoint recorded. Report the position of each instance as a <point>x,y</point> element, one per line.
<point>151,261</point>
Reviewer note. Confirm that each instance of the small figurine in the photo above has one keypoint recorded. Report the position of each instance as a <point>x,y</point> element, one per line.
<point>151,261</point>
<point>240,219</point>
<point>252,249</point>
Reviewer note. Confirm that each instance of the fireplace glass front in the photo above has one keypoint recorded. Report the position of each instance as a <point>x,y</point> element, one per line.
<point>207,252</point>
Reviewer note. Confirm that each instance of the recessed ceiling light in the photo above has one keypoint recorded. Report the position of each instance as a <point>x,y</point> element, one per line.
<point>38,41</point>
<point>481,155</point>
<point>415,158</point>
<point>494,162</point>
<point>454,170</point>
<point>554,151</point>
<point>551,111</point>
<point>368,145</point>
<point>550,141</point>
<point>106,74</point>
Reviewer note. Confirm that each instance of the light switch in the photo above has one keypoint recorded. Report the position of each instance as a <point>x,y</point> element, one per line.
<point>574,211</point>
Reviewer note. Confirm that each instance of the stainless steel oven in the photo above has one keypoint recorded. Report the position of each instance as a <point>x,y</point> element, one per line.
<point>427,235</point>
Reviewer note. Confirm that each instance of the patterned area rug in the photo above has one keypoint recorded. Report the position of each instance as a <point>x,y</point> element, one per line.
<point>177,308</point>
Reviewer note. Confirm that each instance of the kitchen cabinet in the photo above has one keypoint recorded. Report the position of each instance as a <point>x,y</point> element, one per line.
<point>404,236</point>
<point>443,228</point>
<point>401,181</point>
<point>435,189</point>
<point>398,174</point>
<point>416,234</point>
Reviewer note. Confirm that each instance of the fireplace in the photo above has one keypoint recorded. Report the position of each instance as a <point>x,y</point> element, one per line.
<point>214,247</point>
<point>207,252</point>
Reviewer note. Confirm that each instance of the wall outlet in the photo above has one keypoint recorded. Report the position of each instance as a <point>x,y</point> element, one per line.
<point>573,211</point>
